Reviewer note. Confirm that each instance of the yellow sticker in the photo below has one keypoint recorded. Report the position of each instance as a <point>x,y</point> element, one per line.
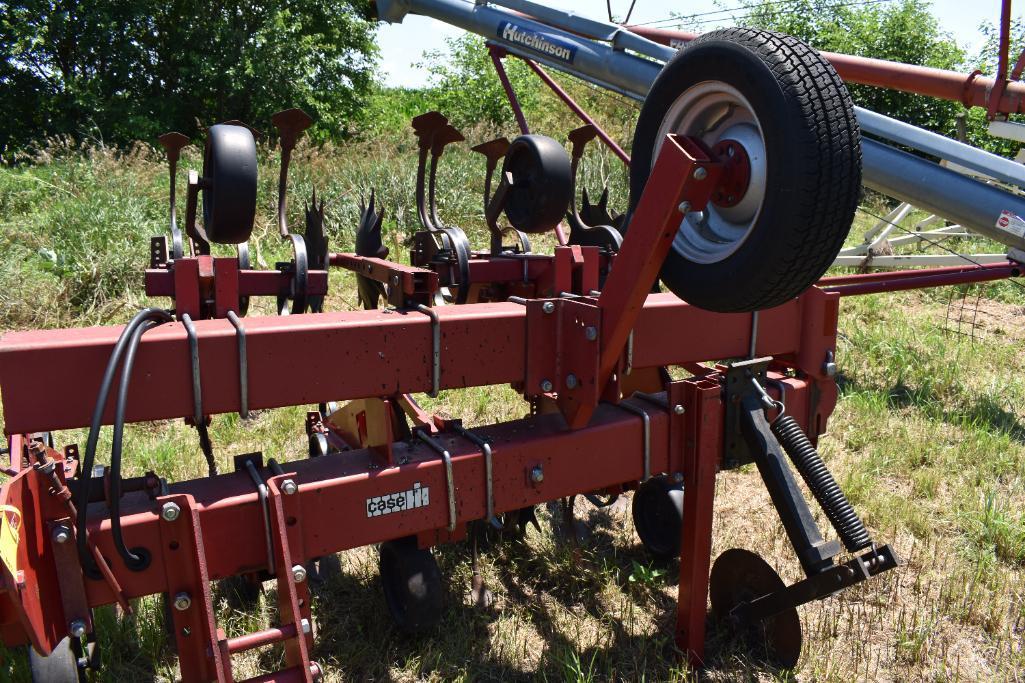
<point>10,523</point>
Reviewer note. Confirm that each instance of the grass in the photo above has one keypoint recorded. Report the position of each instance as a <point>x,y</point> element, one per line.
<point>928,440</point>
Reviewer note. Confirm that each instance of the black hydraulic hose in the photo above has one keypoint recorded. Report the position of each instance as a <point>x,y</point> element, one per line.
<point>827,492</point>
<point>131,559</point>
<point>94,429</point>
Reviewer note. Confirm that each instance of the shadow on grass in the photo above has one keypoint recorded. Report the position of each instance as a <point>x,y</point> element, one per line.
<point>985,411</point>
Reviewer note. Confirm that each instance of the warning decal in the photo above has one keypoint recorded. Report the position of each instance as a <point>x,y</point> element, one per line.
<point>1012,223</point>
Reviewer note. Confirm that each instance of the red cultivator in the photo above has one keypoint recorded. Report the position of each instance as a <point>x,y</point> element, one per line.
<point>577,332</point>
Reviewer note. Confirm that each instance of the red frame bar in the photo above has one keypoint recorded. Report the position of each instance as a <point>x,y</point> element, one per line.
<point>972,90</point>
<point>922,279</point>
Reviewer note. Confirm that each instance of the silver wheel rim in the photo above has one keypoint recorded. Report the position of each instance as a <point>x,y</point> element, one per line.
<point>714,111</point>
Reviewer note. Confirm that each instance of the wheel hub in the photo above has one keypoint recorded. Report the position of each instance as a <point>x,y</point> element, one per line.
<point>736,173</point>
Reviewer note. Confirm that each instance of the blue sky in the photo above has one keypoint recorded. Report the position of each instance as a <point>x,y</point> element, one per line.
<point>403,44</point>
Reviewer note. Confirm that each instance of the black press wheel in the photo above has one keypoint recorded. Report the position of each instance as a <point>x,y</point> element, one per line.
<point>412,585</point>
<point>542,184</point>
<point>658,517</point>
<point>783,123</point>
<point>229,196</point>
<point>60,666</point>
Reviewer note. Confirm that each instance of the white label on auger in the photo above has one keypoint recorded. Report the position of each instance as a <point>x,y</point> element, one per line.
<point>416,497</point>
<point>1011,223</point>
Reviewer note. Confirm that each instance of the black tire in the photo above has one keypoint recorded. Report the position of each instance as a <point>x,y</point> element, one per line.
<point>412,585</point>
<point>229,197</point>
<point>657,509</point>
<point>812,166</point>
<point>60,666</point>
<point>542,183</point>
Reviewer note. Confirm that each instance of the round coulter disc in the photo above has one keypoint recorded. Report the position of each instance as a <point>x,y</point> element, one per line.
<point>740,575</point>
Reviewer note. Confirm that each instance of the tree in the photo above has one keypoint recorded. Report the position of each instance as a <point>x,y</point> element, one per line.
<point>122,70</point>
<point>901,32</point>
<point>464,85</point>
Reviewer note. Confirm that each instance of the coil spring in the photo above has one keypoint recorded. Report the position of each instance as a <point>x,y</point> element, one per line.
<point>818,478</point>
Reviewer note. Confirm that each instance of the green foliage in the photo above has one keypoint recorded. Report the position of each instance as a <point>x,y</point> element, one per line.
<point>465,88</point>
<point>902,32</point>
<point>119,71</point>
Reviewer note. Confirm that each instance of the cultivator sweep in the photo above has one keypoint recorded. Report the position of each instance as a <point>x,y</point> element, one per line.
<point>742,191</point>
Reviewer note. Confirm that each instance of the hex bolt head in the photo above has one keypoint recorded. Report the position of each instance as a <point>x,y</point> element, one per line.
<point>684,208</point>
<point>548,306</point>
<point>305,625</point>
<point>289,487</point>
<point>678,409</point>
<point>591,333</point>
<point>700,173</point>
<point>571,381</point>
<point>182,601</point>
<point>77,628</point>
<point>829,368</point>
<point>546,385</point>
<point>170,512</point>
<point>537,474</point>
<point>299,573</point>
<point>61,534</point>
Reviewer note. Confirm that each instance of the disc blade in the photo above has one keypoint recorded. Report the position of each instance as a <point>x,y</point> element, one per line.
<point>740,575</point>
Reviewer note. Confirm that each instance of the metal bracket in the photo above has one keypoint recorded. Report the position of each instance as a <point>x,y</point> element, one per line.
<point>243,364</point>
<point>572,328</point>
<point>485,448</point>
<point>647,435</point>
<point>449,478</point>
<point>252,462</point>
<point>435,349</point>
<point>832,580</point>
<point>737,387</point>
<point>197,388</point>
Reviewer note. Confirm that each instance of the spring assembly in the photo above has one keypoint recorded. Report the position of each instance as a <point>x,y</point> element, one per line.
<point>818,478</point>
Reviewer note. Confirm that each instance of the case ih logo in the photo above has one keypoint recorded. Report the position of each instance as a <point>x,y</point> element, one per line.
<point>546,45</point>
<point>416,497</point>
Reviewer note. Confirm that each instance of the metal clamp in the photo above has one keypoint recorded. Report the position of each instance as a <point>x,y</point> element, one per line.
<point>449,479</point>
<point>243,364</point>
<point>629,354</point>
<point>436,348</point>
<point>261,489</point>
<point>754,334</point>
<point>647,435</point>
<point>197,387</point>
<point>485,448</point>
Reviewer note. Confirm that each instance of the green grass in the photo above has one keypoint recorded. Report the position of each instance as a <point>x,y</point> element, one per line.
<point>928,440</point>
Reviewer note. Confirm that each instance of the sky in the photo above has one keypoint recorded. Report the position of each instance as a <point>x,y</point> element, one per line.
<point>402,45</point>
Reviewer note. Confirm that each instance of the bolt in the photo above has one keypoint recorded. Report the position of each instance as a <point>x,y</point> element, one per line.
<point>182,601</point>
<point>700,173</point>
<point>678,477</point>
<point>61,534</point>
<point>591,333</point>
<point>684,208</point>
<point>546,385</point>
<point>829,368</point>
<point>537,475</point>
<point>571,381</point>
<point>77,628</point>
<point>548,307</point>
<point>395,279</point>
<point>678,409</point>
<point>305,625</point>
<point>299,573</point>
<point>170,511</point>
<point>288,487</point>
